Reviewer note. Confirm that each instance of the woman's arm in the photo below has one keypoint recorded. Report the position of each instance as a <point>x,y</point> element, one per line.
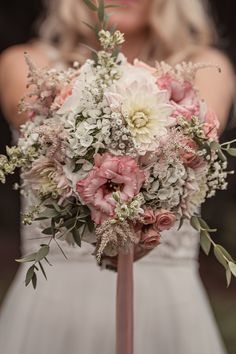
<point>217,88</point>
<point>13,79</point>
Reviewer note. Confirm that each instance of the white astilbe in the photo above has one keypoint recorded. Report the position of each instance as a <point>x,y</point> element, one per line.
<point>185,71</point>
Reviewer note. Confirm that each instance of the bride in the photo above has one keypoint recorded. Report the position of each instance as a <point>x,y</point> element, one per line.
<point>73,312</point>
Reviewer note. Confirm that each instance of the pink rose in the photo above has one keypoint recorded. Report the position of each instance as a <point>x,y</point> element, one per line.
<point>109,174</point>
<point>150,238</point>
<point>181,94</point>
<point>149,217</point>
<point>164,219</point>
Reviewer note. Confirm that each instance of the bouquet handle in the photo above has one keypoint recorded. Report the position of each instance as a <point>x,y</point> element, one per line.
<point>124,304</point>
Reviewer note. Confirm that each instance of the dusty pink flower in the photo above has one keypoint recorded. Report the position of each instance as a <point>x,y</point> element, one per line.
<point>149,217</point>
<point>181,94</point>
<point>211,125</point>
<point>150,238</point>
<point>164,219</point>
<point>110,173</point>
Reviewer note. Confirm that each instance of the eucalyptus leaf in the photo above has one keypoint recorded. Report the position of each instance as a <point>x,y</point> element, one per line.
<point>232,267</point>
<point>30,258</point>
<point>228,276</point>
<point>29,275</point>
<point>225,253</point>
<point>221,156</point>
<point>232,151</point>
<point>34,280</point>
<point>194,221</point>
<point>42,253</point>
<point>220,257</point>
<point>76,236</point>
<point>42,270</point>
<point>48,231</point>
<point>205,242</point>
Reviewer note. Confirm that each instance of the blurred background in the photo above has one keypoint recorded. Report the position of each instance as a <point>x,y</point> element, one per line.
<point>17,25</point>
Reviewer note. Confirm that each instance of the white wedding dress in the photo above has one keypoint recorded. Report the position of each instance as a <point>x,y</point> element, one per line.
<point>74,311</point>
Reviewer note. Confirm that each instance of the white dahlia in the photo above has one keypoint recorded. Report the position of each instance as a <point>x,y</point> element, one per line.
<point>144,107</point>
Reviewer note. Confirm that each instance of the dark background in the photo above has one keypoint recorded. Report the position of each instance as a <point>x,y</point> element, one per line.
<point>16,26</point>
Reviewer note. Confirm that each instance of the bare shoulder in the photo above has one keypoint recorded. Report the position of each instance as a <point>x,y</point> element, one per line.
<point>15,55</point>
<point>216,86</point>
<point>216,57</point>
<point>13,77</point>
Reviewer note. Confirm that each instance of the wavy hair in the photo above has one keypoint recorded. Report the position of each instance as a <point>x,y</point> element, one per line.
<point>177,28</point>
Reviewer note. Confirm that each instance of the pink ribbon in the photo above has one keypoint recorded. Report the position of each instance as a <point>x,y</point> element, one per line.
<point>124,304</point>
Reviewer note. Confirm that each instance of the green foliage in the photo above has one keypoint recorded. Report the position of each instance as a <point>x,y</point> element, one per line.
<point>206,242</point>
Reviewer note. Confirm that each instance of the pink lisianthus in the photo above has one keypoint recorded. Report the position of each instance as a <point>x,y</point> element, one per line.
<point>164,219</point>
<point>109,174</point>
<point>182,95</point>
<point>149,217</point>
<point>150,238</point>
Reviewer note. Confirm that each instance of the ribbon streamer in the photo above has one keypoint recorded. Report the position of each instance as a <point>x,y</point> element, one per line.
<point>124,304</point>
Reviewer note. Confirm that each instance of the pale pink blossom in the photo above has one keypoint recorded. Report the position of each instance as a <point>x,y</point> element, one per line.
<point>211,124</point>
<point>149,216</point>
<point>109,174</point>
<point>150,238</point>
<point>164,219</point>
<point>141,64</point>
<point>47,176</point>
<point>182,95</point>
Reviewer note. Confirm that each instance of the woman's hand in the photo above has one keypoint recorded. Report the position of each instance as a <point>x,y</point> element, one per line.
<point>111,263</point>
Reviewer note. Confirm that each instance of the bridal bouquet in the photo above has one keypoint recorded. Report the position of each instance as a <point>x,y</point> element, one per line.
<point>114,153</point>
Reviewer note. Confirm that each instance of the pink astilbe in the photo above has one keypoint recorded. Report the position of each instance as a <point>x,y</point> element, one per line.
<point>45,86</point>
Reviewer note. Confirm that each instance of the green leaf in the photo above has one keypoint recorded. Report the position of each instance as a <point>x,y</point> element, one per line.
<point>181,223</point>
<point>220,257</point>
<point>101,11</point>
<point>228,277</point>
<point>90,225</point>
<point>34,280</point>
<point>232,267</point>
<point>232,151</point>
<point>30,258</point>
<point>225,253</point>
<point>29,275</point>
<point>90,4</point>
<point>194,221</point>
<point>42,253</point>
<point>205,242</point>
<point>42,270</point>
<point>221,156</point>
<point>76,236</point>
<point>48,231</point>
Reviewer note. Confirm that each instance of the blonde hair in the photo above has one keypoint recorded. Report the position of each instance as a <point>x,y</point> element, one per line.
<point>177,28</point>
